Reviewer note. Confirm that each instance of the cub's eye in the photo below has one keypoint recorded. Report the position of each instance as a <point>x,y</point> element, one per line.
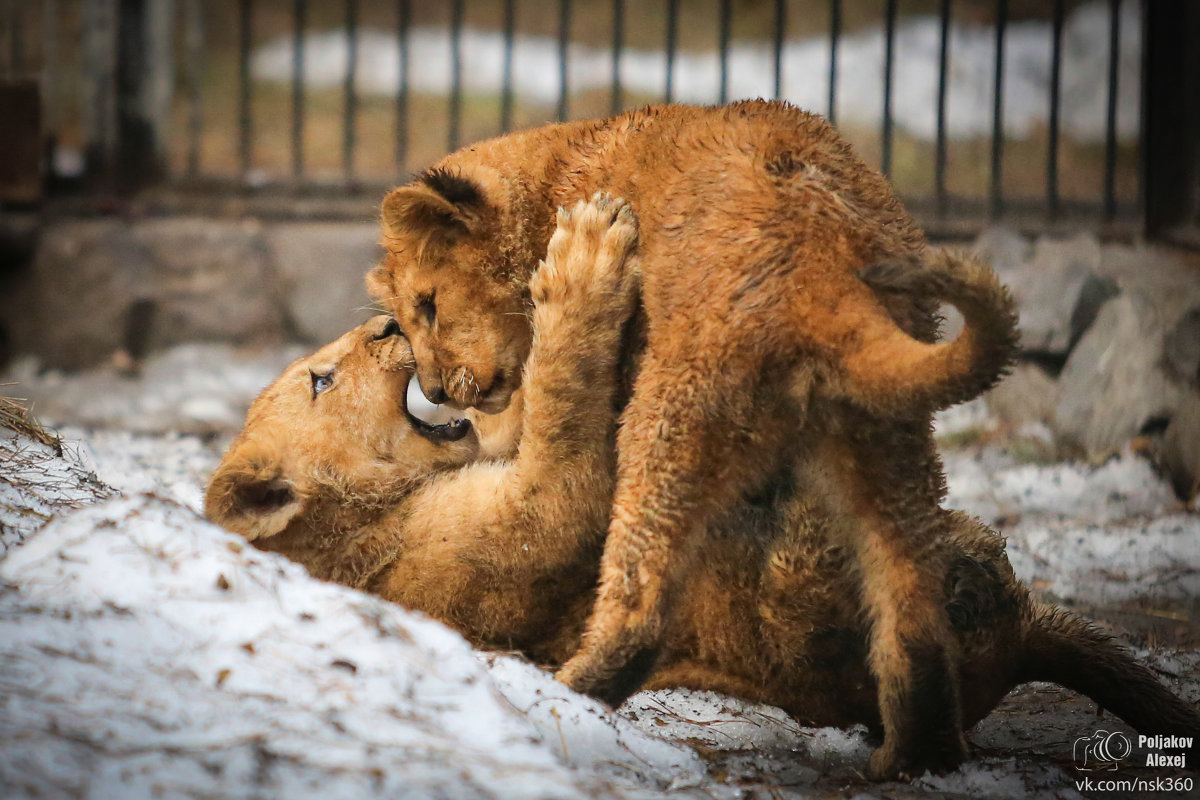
<point>392,328</point>
<point>427,308</point>
<point>320,382</point>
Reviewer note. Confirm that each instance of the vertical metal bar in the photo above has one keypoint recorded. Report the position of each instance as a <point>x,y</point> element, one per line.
<point>1110,127</point>
<point>506,87</point>
<point>403,22</point>
<point>616,103</point>
<point>350,91</point>
<point>780,35</point>
<point>889,47</point>
<point>299,9</point>
<point>564,38</point>
<point>726,26</point>
<point>1170,146</point>
<point>97,74</point>
<point>50,70</point>
<point>454,125</point>
<point>158,90</point>
<point>1052,199</point>
<point>835,33</point>
<point>996,199</point>
<point>672,45</point>
<point>13,19</point>
<point>145,66</point>
<point>193,43</point>
<point>245,120</point>
<point>939,164</point>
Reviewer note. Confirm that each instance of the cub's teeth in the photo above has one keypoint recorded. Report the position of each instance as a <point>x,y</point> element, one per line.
<point>429,413</point>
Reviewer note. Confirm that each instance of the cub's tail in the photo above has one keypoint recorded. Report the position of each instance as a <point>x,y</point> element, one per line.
<point>1065,649</point>
<point>893,373</point>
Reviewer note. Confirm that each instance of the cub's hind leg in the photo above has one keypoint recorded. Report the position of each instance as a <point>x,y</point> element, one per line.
<point>880,485</point>
<point>692,439</point>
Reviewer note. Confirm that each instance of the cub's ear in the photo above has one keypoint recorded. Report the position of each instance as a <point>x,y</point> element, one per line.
<point>249,493</point>
<point>379,283</point>
<point>440,203</point>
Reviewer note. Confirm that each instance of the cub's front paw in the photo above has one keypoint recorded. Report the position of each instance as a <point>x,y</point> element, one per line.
<point>590,259</point>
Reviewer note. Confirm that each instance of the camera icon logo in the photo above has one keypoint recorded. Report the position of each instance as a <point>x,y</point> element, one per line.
<point>1103,750</point>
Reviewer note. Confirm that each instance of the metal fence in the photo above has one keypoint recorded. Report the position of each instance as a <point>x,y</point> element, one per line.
<point>169,92</point>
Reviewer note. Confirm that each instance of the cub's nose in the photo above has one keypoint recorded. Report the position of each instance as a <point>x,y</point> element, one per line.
<point>435,394</point>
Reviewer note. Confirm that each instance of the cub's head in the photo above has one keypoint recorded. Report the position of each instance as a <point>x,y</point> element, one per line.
<point>335,439</point>
<point>460,249</point>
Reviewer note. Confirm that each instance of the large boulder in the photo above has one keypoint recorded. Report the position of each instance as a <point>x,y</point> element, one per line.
<point>1117,383</point>
<point>1059,286</point>
<point>1028,396</point>
<point>1181,450</point>
<point>100,286</point>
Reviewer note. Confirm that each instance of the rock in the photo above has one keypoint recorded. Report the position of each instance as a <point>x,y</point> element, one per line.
<point>1028,395</point>
<point>1181,449</point>
<point>321,268</point>
<point>1059,286</point>
<point>1115,384</point>
<point>101,286</point>
<point>1059,292</point>
<point>1093,293</point>
<point>1182,347</point>
<point>1006,250</point>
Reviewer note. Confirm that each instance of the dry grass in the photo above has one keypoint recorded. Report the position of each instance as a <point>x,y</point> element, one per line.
<point>14,416</point>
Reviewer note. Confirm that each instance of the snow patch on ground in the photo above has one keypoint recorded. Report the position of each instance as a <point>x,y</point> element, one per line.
<point>37,481</point>
<point>173,465</point>
<point>148,650</point>
<point>190,388</point>
<point>1093,535</point>
<point>991,484</point>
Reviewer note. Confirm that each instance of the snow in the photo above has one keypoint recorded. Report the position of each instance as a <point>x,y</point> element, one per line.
<point>195,388</point>
<point>1093,535</point>
<point>805,71</point>
<point>39,480</point>
<point>145,652</point>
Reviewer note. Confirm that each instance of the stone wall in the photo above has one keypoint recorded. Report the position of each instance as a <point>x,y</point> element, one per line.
<point>99,287</point>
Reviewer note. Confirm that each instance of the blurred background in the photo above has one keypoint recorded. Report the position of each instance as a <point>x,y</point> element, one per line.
<point>1043,110</point>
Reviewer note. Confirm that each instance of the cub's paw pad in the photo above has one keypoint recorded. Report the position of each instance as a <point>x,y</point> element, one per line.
<point>587,255</point>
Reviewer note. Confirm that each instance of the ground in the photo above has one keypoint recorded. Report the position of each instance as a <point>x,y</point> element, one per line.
<point>145,652</point>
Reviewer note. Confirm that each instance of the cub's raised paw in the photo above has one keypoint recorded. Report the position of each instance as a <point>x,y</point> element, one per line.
<point>589,260</point>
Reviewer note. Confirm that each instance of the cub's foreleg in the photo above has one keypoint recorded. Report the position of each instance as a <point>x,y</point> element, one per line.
<point>695,434</point>
<point>478,541</point>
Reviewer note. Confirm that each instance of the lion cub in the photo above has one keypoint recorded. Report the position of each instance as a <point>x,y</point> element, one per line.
<point>334,472</point>
<point>760,349</point>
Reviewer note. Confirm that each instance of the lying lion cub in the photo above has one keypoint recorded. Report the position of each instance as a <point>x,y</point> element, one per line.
<point>333,471</point>
<point>762,349</point>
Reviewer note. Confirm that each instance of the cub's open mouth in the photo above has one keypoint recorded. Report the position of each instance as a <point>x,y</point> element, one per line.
<point>439,423</point>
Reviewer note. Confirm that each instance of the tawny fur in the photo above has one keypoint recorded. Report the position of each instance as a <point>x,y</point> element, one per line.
<point>508,552</point>
<point>760,348</point>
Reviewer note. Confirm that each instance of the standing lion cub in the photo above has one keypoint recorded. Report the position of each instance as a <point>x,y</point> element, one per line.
<point>334,471</point>
<point>761,351</point>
